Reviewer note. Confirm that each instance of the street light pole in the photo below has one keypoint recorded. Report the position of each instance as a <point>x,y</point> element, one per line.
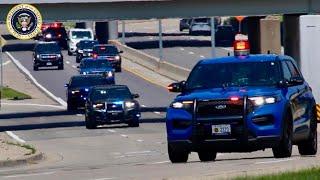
<point>123,32</point>
<point>1,68</point>
<point>160,41</point>
<point>213,44</point>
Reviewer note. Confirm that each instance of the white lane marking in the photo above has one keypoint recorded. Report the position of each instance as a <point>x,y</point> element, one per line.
<point>201,56</point>
<point>156,112</point>
<point>151,38</point>
<point>140,140</point>
<point>68,62</point>
<point>161,162</point>
<point>143,105</point>
<point>104,178</point>
<point>15,137</point>
<point>138,152</point>
<point>6,63</point>
<point>79,115</point>
<point>30,104</point>
<point>192,38</point>
<point>28,175</point>
<point>182,49</point>
<point>27,72</point>
<point>229,49</point>
<point>274,161</point>
<point>111,130</point>
<point>124,135</point>
<point>74,66</point>
<point>191,52</point>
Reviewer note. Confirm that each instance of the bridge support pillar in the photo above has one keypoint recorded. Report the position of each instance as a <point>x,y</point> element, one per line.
<point>106,31</point>
<point>292,36</point>
<point>253,24</point>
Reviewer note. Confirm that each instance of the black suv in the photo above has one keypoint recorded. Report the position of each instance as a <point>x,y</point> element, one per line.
<point>79,87</point>
<point>109,53</point>
<point>84,49</point>
<point>47,54</point>
<point>112,104</point>
<point>57,34</point>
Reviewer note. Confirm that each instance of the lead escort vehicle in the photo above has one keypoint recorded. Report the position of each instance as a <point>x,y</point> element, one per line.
<point>242,103</point>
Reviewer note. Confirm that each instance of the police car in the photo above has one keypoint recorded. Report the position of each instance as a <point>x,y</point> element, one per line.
<point>242,103</point>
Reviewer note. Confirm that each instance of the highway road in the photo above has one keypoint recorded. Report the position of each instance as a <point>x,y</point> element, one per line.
<point>179,47</point>
<point>119,152</point>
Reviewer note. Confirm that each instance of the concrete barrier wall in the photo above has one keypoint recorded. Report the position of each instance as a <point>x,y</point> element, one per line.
<point>164,68</point>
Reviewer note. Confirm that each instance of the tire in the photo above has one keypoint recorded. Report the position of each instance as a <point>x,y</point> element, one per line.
<point>134,123</point>
<point>310,146</point>
<point>284,149</point>
<point>78,60</point>
<point>206,156</point>
<point>70,107</point>
<point>177,155</point>
<point>70,53</point>
<point>118,69</point>
<point>90,123</point>
<point>35,68</point>
<point>60,67</point>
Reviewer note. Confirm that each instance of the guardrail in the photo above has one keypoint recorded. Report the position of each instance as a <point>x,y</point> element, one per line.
<point>164,68</point>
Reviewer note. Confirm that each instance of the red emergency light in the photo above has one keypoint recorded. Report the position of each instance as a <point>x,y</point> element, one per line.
<point>241,45</point>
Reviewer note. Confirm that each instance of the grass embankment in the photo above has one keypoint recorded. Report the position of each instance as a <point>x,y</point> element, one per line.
<point>12,94</point>
<point>307,174</point>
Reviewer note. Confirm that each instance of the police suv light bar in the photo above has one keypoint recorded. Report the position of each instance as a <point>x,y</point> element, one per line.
<point>241,45</point>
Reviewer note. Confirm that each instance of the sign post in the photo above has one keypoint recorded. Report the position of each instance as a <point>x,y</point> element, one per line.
<point>240,19</point>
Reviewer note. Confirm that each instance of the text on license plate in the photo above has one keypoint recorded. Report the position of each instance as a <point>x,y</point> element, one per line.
<point>221,129</point>
<point>49,63</point>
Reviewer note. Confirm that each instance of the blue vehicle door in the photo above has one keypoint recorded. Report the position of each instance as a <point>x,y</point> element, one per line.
<point>303,105</point>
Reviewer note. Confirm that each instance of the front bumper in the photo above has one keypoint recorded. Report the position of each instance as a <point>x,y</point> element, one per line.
<point>107,117</point>
<point>255,130</point>
<point>48,63</point>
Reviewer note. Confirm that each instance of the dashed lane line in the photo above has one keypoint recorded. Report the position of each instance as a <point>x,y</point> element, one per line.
<point>140,140</point>
<point>68,62</point>
<point>157,112</point>
<point>30,104</point>
<point>182,49</point>
<point>124,135</point>
<point>191,52</point>
<point>112,131</point>
<point>201,56</point>
<point>29,175</point>
<point>74,66</point>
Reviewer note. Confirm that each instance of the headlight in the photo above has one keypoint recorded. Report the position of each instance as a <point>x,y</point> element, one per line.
<point>86,90</point>
<point>117,58</point>
<point>80,51</point>
<point>59,55</point>
<point>260,100</point>
<point>76,91</point>
<point>84,73</point>
<point>38,56</point>
<point>48,36</point>
<point>130,104</point>
<point>110,74</point>
<point>183,104</point>
<point>98,106</point>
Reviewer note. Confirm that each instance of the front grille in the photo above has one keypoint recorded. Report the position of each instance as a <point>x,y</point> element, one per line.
<point>219,108</point>
<point>114,107</point>
<point>47,57</point>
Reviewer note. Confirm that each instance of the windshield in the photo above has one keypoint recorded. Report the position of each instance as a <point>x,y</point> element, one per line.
<point>87,44</point>
<point>87,81</point>
<point>112,93</point>
<point>201,20</point>
<point>95,64</point>
<point>52,47</point>
<point>206,76</point>
<point>81,35</point>
<point>106,50</point>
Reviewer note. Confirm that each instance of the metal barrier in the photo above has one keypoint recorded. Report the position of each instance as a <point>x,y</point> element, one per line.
<point>164,68</point>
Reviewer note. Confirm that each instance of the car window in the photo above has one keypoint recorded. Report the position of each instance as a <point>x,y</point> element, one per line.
<point>286,71</point>
<point>52,47</point>
<point>81,35</point>
<point>87,81</point>
<point>112,93</point>
<point>294,71</point>
<point>95,64</point>
<point>106,50</point>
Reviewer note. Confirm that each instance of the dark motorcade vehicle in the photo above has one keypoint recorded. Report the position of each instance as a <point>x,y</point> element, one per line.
<point>78,89</point>
<point>57,34</point>
<point>184,24</point>
<point>84,49</point>
<point>242,104</point>
<point>109,53</point>
<point>47,54</point>
<point>97,66</point>
<point>112,104</point>
<point>225,36</point>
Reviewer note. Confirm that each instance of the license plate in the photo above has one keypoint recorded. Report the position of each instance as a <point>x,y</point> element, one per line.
<point>221,129</point>
<point>49,64</point>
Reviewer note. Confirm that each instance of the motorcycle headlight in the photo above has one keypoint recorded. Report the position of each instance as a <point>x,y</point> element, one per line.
<point>129,104</point>
<point>261,100</point>
<point>38,56</point>
<point>182,105</point>
<point>117,58</point>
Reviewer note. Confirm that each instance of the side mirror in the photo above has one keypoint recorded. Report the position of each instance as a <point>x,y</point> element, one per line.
<point>135,96</point>
<point>120,52</point>
<point>66,85</point>
<point>177,87</point>
<point>296,81</point>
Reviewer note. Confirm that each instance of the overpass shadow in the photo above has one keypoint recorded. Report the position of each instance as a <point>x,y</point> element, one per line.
<point>144,34</point>
<point>18,47</point>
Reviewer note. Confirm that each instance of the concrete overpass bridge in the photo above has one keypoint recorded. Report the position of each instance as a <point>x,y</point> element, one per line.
<point>146,9</point>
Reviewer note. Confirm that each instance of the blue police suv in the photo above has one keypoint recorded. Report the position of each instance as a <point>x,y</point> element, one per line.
<point>242,103</point>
